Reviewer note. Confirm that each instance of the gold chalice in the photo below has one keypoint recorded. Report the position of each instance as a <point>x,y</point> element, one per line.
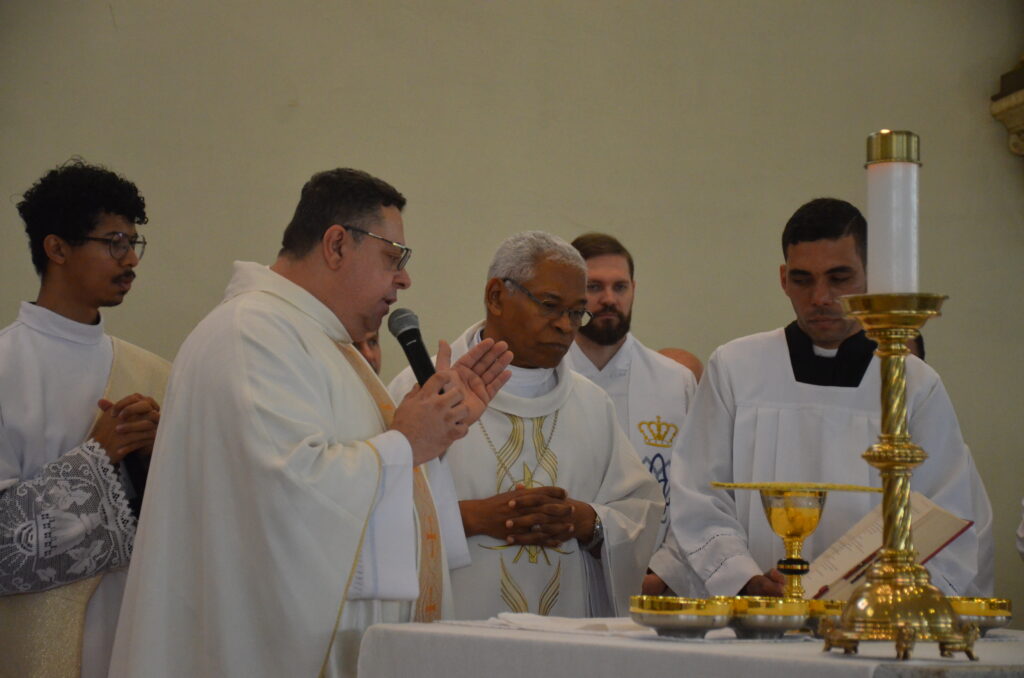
<point>793,510</point>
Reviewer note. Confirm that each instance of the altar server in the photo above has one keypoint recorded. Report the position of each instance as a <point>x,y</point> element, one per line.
<point>288,509</point>
<point>560,515</point>
<point>74,403</point>
<point>801,403</point>
<point>651,393</point>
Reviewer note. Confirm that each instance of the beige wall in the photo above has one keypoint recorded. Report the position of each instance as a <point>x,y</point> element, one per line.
<point>692,130</point>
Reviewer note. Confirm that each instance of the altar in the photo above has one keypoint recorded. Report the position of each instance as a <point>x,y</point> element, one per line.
<point>488,650</point>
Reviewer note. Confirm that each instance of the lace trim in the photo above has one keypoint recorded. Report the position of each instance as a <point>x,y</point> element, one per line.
<point>69,523</point>
<point>124,518</point>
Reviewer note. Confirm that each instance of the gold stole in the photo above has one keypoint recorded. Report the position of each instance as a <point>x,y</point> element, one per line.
<point>41,633</point>
<point>428,605</point>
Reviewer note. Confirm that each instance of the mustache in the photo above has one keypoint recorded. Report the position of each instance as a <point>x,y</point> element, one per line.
<point>610,309</point>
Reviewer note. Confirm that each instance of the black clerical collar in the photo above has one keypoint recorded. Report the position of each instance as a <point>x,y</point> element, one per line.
<point>847,368</point>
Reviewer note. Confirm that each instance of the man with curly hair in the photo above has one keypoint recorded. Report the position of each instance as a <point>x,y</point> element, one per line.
<point>78,417</point>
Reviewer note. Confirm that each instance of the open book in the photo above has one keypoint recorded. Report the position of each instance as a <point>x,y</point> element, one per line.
<point>841,567</point>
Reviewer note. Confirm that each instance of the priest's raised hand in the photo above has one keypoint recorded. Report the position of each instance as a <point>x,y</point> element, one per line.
<point>483,370</point>
<point>435,415</point>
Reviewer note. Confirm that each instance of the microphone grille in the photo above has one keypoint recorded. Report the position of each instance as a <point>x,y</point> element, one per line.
<point>401,320</point>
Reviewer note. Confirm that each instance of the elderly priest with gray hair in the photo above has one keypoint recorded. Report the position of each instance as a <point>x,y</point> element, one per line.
<point>560,515</point>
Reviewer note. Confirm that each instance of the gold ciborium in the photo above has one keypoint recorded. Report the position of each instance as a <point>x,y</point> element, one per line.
<point>897,601</point>
<point>793,510</point>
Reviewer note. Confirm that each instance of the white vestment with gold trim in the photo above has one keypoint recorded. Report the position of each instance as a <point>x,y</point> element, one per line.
<point>568,438</point>
<point>278,521</point>
<point>652,395</point>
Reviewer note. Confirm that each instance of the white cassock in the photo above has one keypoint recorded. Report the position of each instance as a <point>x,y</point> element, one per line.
<point>279,521</point>
<point>64,515</point>
<point>566,437</point>
<point>652,395</point>
<point>753,422</point>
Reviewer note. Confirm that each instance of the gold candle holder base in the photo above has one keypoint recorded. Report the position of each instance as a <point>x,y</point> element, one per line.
<point>897,601</point>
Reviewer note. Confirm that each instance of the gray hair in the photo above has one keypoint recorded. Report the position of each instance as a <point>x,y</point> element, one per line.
<point>519,254</point>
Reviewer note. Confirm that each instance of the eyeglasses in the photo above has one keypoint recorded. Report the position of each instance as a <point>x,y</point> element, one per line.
<point>549,309</point>
<point>406,251</point>
<point>119,244</point>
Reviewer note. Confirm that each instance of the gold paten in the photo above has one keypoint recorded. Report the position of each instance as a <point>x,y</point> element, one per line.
<point>681,617</point>
<point>764,618</point>
<point>897,601</point>
<point>747,606</point>
<point>894,146</point>
<point>674,604</point>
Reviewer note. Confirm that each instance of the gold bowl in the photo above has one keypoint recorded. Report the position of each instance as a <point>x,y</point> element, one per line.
<point>823,609</point>
<point>681,617</point>
<point>762,618</point>
<point>987,613</point>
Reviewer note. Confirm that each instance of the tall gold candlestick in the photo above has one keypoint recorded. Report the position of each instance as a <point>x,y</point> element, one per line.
<point>897,601</point>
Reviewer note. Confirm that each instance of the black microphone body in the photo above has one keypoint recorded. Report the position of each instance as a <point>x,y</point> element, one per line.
<point>404,324</point>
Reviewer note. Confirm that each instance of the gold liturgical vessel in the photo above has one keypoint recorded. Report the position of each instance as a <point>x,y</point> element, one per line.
<point>793,511</point>
<point>794,515</point>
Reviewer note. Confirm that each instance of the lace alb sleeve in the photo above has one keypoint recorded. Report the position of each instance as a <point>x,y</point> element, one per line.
<point>70,522</point>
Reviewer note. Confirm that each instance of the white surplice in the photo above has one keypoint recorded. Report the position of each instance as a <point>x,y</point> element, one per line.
<point>567,437</point>
<point>63,512</point>
<point>279,519</point>
<point>652,395</point>
<point>753,422</point>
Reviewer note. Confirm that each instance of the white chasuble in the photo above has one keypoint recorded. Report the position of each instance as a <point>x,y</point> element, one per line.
<point>66,529</point>
<point>568,438</point>
<point>753,422</point>
<point>652,395</point>
<point>278,522</point>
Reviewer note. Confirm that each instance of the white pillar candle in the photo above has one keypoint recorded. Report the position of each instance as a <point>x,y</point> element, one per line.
<point>892,212</point>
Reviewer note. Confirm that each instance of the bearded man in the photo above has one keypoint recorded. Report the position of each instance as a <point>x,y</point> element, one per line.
<point>651,392</point>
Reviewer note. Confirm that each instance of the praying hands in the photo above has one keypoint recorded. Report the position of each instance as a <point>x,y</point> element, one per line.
<point>538,516</point>
<point>127,426</point>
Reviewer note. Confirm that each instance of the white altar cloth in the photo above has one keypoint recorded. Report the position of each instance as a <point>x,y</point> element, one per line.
<point>497,650</point>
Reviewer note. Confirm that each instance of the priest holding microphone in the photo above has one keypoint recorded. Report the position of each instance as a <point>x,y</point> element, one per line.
<point>289,505</point>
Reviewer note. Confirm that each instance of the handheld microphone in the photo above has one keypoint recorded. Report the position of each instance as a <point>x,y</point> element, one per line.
<point>405,326</point>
